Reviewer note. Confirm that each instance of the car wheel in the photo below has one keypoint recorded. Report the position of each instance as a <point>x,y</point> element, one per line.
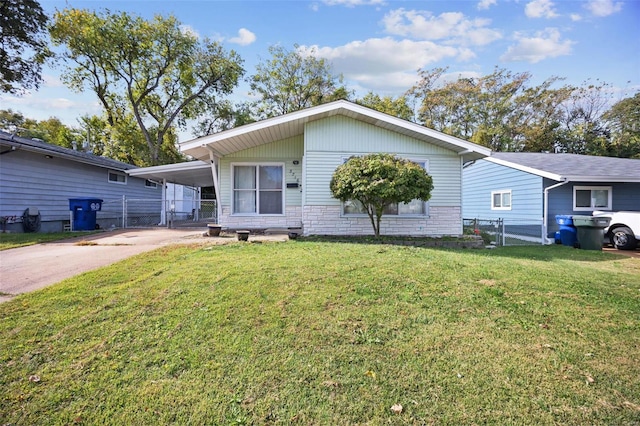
<point>622,238</point>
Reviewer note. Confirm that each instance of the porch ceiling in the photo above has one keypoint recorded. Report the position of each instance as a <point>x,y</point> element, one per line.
<point>192,173</point>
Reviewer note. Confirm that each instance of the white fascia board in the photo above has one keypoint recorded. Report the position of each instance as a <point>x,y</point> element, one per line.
<point>336,107</point>
<point>538,172</point>
<point>578,178</point>
<point>248,128</point>
<point>176,167</point>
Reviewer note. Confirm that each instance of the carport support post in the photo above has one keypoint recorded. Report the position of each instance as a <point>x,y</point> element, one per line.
<point>216,185</point>
<point>163,209</point>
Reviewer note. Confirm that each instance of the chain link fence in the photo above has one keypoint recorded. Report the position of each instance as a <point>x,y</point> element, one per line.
<point>506,232</point>
<point>144,213</point>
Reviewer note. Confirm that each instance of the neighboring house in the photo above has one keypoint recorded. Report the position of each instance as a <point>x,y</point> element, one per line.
<point>43,177</point>
<point>535,187</point>
<point>275,173</point>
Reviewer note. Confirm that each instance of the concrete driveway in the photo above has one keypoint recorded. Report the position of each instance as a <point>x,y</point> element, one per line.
<point>30,268</point>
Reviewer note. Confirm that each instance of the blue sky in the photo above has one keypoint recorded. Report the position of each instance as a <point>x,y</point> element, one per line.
<point>379,45</point>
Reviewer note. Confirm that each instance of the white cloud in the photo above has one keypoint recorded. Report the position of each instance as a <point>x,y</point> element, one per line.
<point>188,29</point>
<point>455,76</point>
<point>40,106</point>
<point>51,81</point>
<point>486,4</point>
<point>576,17</point>
<point>38,102</point>
<point>385,63</point>
<point>245,37</point>
<point>603,8</point>
<point>545,44</point>
<point>354,3</point>
<point>453,27</point>
<point>540,9</point>
<point>465,54</point>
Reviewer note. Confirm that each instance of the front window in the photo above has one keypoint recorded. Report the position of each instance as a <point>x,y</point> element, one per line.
<point>117,177</point>
<point>587,198</point>
<point>412,208</point>
<point>501,200</point>
<point>258,189</point>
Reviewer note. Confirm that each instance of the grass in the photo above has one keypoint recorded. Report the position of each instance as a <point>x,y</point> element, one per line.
<point>310,332</point>
<point>20,239</point>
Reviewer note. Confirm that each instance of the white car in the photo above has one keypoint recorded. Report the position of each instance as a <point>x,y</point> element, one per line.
<point>624,229</point>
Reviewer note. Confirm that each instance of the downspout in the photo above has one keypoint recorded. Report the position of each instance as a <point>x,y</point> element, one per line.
<point>545,227</point>
<point>216,184</point>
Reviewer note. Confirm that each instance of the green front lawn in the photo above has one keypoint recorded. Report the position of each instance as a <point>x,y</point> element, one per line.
<point>329,333</point>
<point>9,240</point>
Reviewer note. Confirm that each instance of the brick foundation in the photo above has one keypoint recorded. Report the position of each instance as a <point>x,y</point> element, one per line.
<point>326,220</point>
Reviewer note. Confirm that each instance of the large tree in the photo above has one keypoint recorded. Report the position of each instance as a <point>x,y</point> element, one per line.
<point>23,45</point>
<point>378,181</point>
<point>51,130</point>
<point>398,107</point>
<point>293,80</point>
<point>623,121</point>
<point>153,72</point>
<point>499,110</point>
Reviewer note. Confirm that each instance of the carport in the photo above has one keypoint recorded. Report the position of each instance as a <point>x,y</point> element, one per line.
<point>195,174</point>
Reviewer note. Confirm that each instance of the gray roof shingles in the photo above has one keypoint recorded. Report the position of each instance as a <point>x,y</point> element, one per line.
<point>572,165</point>
<point>37,145</point>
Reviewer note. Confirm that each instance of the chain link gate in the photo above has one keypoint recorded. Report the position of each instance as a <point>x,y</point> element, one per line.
<point>145,213</point>
<point>506,232</point>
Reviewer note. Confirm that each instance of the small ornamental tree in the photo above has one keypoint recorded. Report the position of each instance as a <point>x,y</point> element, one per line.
<point>378,181</point>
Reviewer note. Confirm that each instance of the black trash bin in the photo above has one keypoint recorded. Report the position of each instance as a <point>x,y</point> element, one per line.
<point>590,231</point>
<point>84,213</point>
<point>568,233</point>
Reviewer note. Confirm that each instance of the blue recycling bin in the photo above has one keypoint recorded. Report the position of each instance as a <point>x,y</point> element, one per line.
<point>84,213</point>
<point>568,232</point>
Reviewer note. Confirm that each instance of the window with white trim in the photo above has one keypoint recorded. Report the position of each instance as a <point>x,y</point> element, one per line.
<point>587,198</point>
<point>501,200</point>
<point>117,177</point>
<point>258,189</point>
<point>150,184</point>
<point>412,208</point>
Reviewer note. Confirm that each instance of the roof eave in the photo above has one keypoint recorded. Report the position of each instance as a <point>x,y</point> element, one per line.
<point>617,179</point>
<point>538,172</point>
<point>197,147</point>
<point>25,146</point>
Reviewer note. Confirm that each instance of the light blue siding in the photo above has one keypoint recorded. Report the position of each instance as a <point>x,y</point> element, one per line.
<point>482,177</point>
<point>527,193</point>
<point>30,179</point>
<point>625,196</point>
<point>330,141</point>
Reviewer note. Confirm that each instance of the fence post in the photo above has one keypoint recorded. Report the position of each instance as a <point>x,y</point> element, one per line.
<point>502,230</point>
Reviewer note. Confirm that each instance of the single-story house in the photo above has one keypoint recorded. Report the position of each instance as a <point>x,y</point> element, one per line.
<point>38,178</point>
<point>275,173</point>
<point>535,187</point>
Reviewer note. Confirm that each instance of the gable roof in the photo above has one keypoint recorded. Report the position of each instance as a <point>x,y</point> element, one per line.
<point>35,145</point>
<point>571,167</point>
<point>292,124</point>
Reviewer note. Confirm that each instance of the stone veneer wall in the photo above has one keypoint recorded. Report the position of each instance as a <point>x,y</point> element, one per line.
<point>292,219</point>
<point>326,220</point>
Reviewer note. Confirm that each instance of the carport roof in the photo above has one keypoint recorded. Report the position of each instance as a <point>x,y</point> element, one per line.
<point>191,173</point>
